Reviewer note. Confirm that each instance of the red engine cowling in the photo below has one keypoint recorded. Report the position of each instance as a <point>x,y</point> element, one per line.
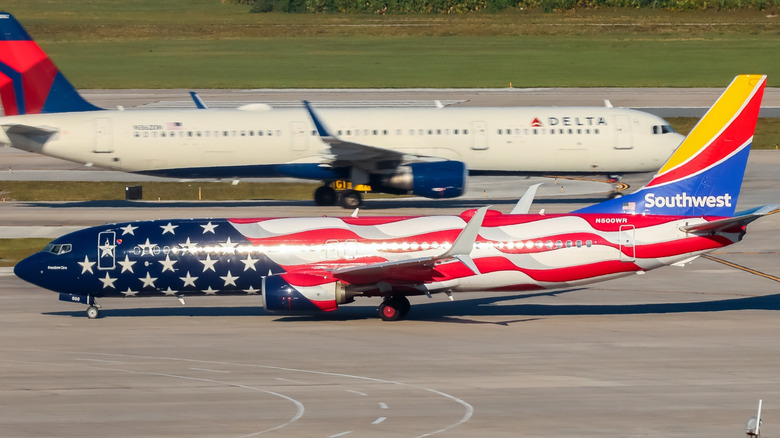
<point>303,293</point>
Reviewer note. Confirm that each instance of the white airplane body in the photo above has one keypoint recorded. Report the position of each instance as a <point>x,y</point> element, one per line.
<point>427,152</point>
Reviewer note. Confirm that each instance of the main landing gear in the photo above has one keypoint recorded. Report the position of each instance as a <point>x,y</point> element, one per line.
<point>326,196</point>
<point>394,308</point>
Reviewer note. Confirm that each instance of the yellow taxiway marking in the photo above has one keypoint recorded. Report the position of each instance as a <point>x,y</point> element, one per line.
<point>742,268</point>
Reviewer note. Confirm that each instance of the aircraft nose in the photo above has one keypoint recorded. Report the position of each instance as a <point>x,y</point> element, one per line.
<point>29,269</point>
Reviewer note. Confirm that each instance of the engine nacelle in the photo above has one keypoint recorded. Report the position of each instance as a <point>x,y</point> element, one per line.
<point>303,293</point>
<point>438,179</point>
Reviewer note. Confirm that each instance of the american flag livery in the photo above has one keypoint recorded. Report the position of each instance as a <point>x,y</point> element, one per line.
<point>317,263</point>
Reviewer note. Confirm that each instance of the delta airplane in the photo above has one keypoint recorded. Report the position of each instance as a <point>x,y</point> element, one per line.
<point>426,152</point>
<point>318,263</point>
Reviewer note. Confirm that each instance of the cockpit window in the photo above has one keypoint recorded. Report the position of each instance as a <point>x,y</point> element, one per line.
<point>663,129</point>
<point>58,248</point>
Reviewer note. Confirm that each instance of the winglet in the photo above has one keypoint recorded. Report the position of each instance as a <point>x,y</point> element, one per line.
<point>523,206</point>
<point>322,130</point>
<point>464,243</point>
<point>198,101</point>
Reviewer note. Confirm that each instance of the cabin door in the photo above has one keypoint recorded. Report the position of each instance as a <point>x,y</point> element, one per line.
<point>627,250</point>
<point>479,136</point>
<point>106,250</point>
<point>623,138</point>
<point>104,139</point>
<point>299,138</point>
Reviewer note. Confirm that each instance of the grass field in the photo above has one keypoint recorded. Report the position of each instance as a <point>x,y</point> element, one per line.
<point>209,44</point>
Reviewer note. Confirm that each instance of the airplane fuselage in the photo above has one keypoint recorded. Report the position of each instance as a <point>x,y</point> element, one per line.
<point>238,256</point>
<point>283,142</point>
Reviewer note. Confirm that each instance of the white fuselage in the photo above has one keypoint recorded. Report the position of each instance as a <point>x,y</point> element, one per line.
<point>529,139</point>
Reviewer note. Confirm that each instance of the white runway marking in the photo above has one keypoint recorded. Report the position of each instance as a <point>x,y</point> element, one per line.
<point>469,410</point>
<point>379,420</point>
<point>210,371</point>
<point>382,405</point>
<point>288,380</point>
<point>357,392</point>
<point>340,434</point>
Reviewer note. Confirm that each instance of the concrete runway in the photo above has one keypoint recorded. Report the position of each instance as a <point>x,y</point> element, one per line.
<point>678,352</point>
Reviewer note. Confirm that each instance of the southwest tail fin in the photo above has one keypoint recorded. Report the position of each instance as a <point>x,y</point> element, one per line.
<point>704,175</point>
<point>30,83</point>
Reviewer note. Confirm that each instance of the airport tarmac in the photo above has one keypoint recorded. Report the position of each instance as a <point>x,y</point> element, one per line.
<point>677,352</point>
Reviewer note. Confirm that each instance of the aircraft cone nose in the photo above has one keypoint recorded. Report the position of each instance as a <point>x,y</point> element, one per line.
<point>29,269</point>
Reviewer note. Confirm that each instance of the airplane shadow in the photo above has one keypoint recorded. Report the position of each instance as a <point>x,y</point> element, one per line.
<point>459,311</point>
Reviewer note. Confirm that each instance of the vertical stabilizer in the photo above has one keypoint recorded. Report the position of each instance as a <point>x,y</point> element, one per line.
<point>30,83</point>
<point>704,175</point>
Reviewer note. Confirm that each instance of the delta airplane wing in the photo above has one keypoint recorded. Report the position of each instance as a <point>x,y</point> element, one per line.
<point>422,151</point>
<point>318,263</point>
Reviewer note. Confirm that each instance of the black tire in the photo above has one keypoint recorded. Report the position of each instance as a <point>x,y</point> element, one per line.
<point>350,199</point>
<point>325,196</point>
<point>389,310</point>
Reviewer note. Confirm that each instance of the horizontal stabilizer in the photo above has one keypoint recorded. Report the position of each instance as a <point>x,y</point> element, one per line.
<point>740,220</point>
<point>36,133</point>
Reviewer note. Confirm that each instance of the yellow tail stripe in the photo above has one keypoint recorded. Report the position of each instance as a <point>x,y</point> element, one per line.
<point>715,120</point>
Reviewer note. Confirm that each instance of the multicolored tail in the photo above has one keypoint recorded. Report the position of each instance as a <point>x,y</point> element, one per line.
<point>30,83</point>
<point>704,175</point>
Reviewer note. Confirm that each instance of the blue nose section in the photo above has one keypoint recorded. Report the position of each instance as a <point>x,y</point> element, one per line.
<point>31,269</point>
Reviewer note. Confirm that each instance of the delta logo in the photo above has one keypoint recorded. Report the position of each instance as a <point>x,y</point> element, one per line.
<point>535,123</point>
<point>682,200</point>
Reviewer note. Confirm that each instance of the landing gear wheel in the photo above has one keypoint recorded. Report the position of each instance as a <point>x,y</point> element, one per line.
<point>324,196</point>
<point>389,311</point>
<point>394,308</point>
<point>92,312</point>
<point>350,199</point>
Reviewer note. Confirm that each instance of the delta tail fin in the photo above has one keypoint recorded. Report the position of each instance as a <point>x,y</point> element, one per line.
<point>704,175</point>
<point>30,83</point>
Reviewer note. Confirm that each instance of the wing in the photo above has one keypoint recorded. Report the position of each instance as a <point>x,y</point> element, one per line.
<point>347,153</point>
<point>736,222</point>
<point>418,270</point>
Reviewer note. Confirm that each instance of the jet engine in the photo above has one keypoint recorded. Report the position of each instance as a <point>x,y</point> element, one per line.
<point>438,179</point>
<point>303,293</point>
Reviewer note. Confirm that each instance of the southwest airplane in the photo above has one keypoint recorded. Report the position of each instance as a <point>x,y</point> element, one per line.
<point>315,264</point>
<point>426,152</point>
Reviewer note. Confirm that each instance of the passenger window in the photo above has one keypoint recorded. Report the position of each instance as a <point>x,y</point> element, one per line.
<point>568,244</point>
<point>588,243</point>
<point>579,243</point>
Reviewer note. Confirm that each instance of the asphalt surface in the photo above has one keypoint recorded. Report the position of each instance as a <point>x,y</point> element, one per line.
<point>678,352</point>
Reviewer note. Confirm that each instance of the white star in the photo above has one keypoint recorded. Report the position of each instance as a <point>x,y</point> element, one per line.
<point>129,293</point>
<point>169,228</point>
<point>251,291</point>
<point>209,228</point>
<point>108,281</point>
<point>210,291</point>
<point>208,263</point>
<point>148,280</point>
<point>128,229</point>
<point>127,265</point>
<point>249,263</point>
<point>147,247</point>
<point>169,291</point>
<point>167,263</point>
<point>229,279</point>
<point>189,246</point>
<point>189,280</point>
<point>107,249</point>
<point>86,265</point>
<point>228,247</point>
